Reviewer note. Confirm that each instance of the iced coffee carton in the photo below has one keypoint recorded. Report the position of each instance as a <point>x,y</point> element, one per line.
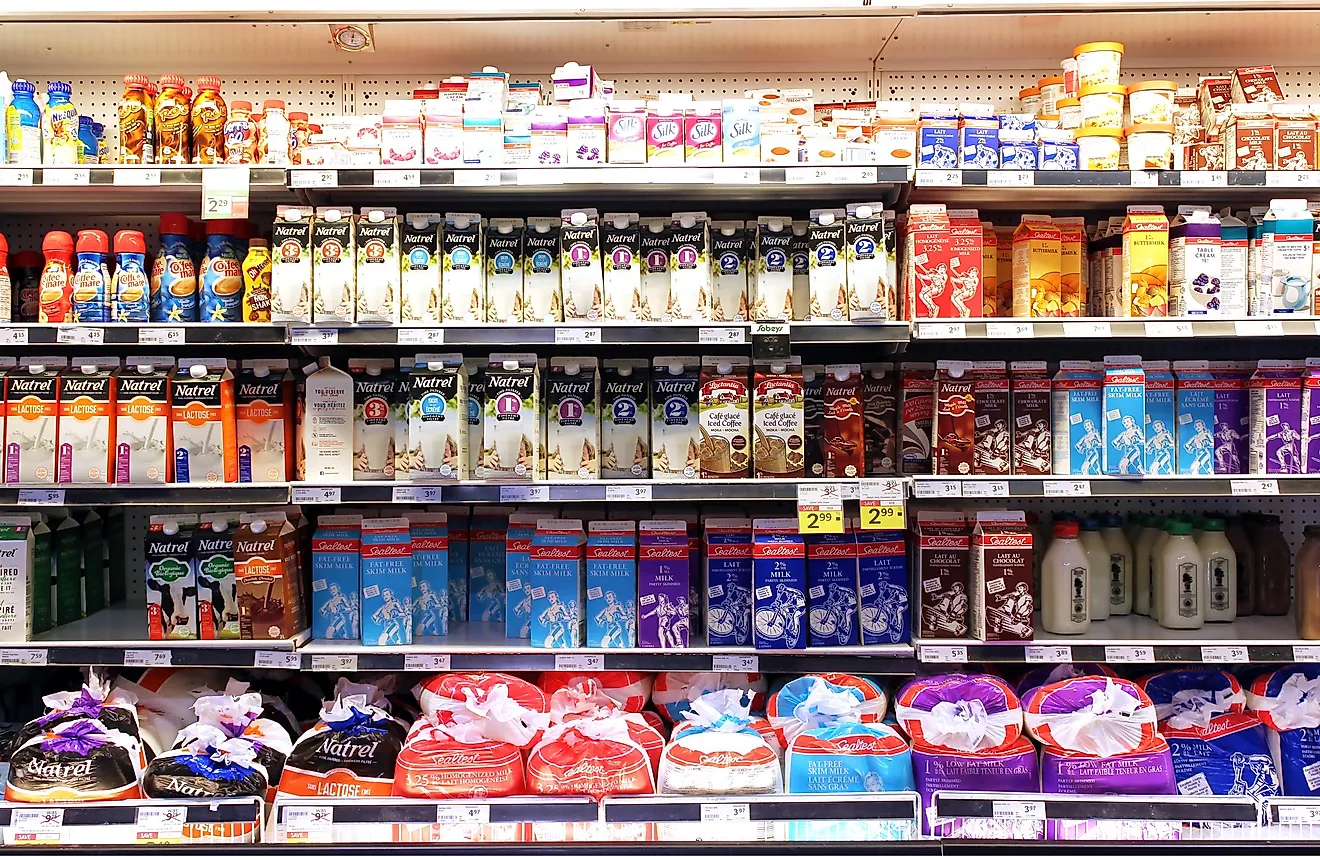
<point>203,422</point>
<point>832,588</point>
<point>880,390</point>
<point>1125,416</point>
<point>663,590</point>
<point>17,544</point>
<point>170,577</point>
<point>625,419</point>
<point>943,574</point>
<point>730,252</point>
<point>336,577</point>
<point>572,402</point>
<point>611,584</point>
<point>438,419</point>
<point>689,267</point>
<point>87,421</point>
<point>511,432</point>
<point>387,579</point>
<point>582,281</point>
<point>32,398</point>
<point>828,268</point>
<point>779,585</point>
<point>143,449</point>
<point>728,574</point>
<point>675,430</point>
<point>327,426</point>
<point>872,295</point>
<point>334,274</point>
<point>430,585</point>
<point>263,399</point>
<point>463,271</point>
<point>419,286</point>
<point>375,387</point>
<point>953,428</point>
<point>504,270</point>
<point>217,587</point>
<point>1001,557</point>
<point>291,264</point>
<point>725,418</point>
<point>772,284</point>
<point>542,301</point>
<point>778,419</point>
<point>558,584</point>
<point>653,247</point>
<point>378,270</point>
<point>844,421</point>
<point>620,242</point>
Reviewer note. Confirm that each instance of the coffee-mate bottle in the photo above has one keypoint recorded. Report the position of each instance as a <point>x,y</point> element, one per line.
<point>1097,559</point>
<point>1307,607</point>
<point>221,287</point>
<point>91,279</point>
<point>1182,580</point>
<point>6,294</point>
<point>130,299</point>
<point>1220,571</point>
<point>1065,588</point>
<point>1120,565</point>
<point>57,279</point>
<point>256,283</point>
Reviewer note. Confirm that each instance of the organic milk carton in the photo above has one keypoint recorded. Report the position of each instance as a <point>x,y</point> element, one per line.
<point>32,420</point>
<point>828,267</point>
<point>334,274</point>
<point>832,588</point>
<point>463,277</point>
<point>203,425</point>
<point>1195,268</point>
<point>1275,396</point>
<point>263,395</point>
<point>430,584</point>
<point>1077,418</point>
<point>458,561</point>
<point>772,285</point>
<point>419,287</point>
<point>327,424</point>
<point>663,573</point>
<point>779,585</point>
<point>17,545</point>
<point>217,587</point>
<point>558,585</point>
<point>572,402</point>
<point>1125,417</point>
<point>87,421</point>
<point>438,419</point>
<point>387,574</point>
<point>730,257</point>
<point>872,293</point>
<point>882,583</point>
<point>375,384</point>
<point>487,538</point>
<point>689,267</point>
<point>1286,258</point>
<point>620,250</point>
<point>653,247</point>
<point>542,301</point>
<point>291,264</point>
<point>171,581</point>
<point>1161,451</point>
<point>504,270</point>
<point>582,284</point>
<point>625,419</point>
<point>675,431</point>
<point>336,577</point>
<point>512,421</point>
<point>517,575</point>
<point>728,572</point>
<point>611,613</point>
<point>42,576</point>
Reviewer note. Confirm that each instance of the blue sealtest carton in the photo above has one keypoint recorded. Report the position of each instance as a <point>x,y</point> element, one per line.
<point>1077,421</point>
<point>487,532</point>
<point>387,580</point>
<point>1161,422</point>
<point>430,591</point>
<point>1125,417</point>
<point>1195,408</point>
<point>336,584</point>
<point>832,589</point>
<point>458,561</point>
<point>517,572</point>
<point>611,584</point>
<point>1058,150</point>
<point>728,582</point>
<point>937,137</point>
<point>779,585</point>
<point>559,584</point>
<point>978,136</point>
<point>1017,122</point>
<point>882,586</point>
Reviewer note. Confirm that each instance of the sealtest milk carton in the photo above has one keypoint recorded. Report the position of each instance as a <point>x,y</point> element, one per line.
<point>1161,451</point>
<point>1195,408</point>
<point>31,420</point>
<point>430,584</point>
<point>1275,399</point>
<point>559,585</point>
<point>263,399</point>
<point>458,517</point>
<point>1232,415</point>
<point>387,574</point>
<point>487,534</point>
<point>1076,414</point>
<point>832,588</point>
<point>1125,417</point>
<point>336,577</point>
<point>87,421</point>
<point>217,584</point>
<point>171,580</point>
<point>663,574</point>
<point>728,557</point>
<point>517,574</point>
<point>1285,256</point>
<point>142,421</point>
<point>882,586</point>
<point>1311,416</point>
<point>611,584</point>
<point>779,585</point>
<point>439,421</point>
<point>17,544</point>
<point>203,422</point>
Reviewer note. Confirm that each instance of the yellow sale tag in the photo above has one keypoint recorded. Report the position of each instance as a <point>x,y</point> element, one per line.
<point>817,520</point>
<point>883,515</point>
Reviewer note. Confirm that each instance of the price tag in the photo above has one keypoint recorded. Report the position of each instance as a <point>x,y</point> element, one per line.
<point>1145,178</point>
<point>726,813</point>
<point>890,515</point>
<point>722,335</point>
<point>415,493</point>
<point>316,496</point>
<point>277,660</point>
<point>334,663</point>
<point>41,496</point>
<point>36,825</point>
<point>396,177</point>
<point>735,663</point>
<point>942,653</point>
<point>1067,488</point>
<point>1129,654</point>
<point>135,177</point>
<point>1291,814</point>
<point>1290,178</point>
<point>628,492</point>
<point>881,490</point>
<point>577,335</point>
<point>13,336</point>
<point>23,657</point>
<point>73,334</point>
<point>1224,654</point>
<point>1306,653</point>
<point>150,657</point>
<point>984,488</point>
<point>447,812</point>
<point>939,178</point>
<point>313,336</point>
<point>937,330</point>
<point>1010,330</point>
<point>421,336</point>
<point>1258,328</point>
<point>80,177</point>
<point>308,823</point>
<point>1168,329</point>
<point>1048,654</point>
<point>160,336</point>
<point>810,175</point>
<point>1087,330</point>
<point>737,175</point>
<point>161,824</point>
<point>15,177</point>
<point>311,178</point>
<point>1017,810</point>
<point>476,178</point>
<point>1010,178</point>
<point>1204,178</point>
<point>539,177</point>
<point>820,509</point>
<point>1254,487</point>
<point>225,192</point>
<point>579,662</point>
<point>525,493</point>
<point>426,662</point>
<point>924,488</point>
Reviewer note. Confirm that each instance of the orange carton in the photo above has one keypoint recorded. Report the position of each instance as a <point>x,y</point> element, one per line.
<point>1072,266</point>
<point>204,423</point>
<point>1144,290</point>
<point>87,421</point>
<point>965,238</point>
<point>1004,271</point>
<point>989,270</point>
<point>1036,268</point>
<point>926,262</point>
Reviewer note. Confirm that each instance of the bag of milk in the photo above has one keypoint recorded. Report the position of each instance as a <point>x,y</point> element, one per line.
<point>592,757</point>
<point>834,751</point>
<point>966,713</point>
<point>583,698</point>
<point>805,703</point>
<point>630,689</point>
<point>350,751</point>
<point>115,709</point>
<point>1287,700</point>
<point>209,764</point>
<point>1217,746</point>
<point>719,752</point>
<point>1042,675</point>
<point>75,760</point>
<point>241,717</point>
<point>674,692</point>
<point>447,692</point>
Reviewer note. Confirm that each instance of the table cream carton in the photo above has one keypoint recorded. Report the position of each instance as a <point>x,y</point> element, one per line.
<point>387,575</point>
<point>430,583</point>
<point>375,385</point>
<point>654,249</point>
<point>419,295</point>
<point>334,275</point>
<point>827,278</point>
<point>463,276</point>
<point>517,575</point>
<point>689,267</point>
<point>511,431</point>
<point>378,271</point>
<point>872,294</point>
<point>730,253</point>
<point>327,425</point>
<point>625,419</point>
<point>16,549</point>
<point>204,428</point>
<point>32,420</point>
<point>620,242</point>
<point>580,268</point>
<point>572,402</point>
<point>675,431</point>
<point>438,419</point>
<point>291,264</point>
<point>504,270</point>
<point>142,421</point>
<point>772,286</point>
<point>86,427</point>
<point>611,584</point>
<point>542,302</point>
<point>263,404</point>
<point>558,583</point>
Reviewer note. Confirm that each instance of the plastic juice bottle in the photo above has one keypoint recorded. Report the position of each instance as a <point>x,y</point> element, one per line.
<point>222,273</point>
<point>56,278</point>
<point>60,143</point>
<point>131,292</point>
<point>89,151</point>
<point>173,275</point>
<point>240,134</point>
<point>208,122</point>
<point>172,121</point>
<point>23,126</point>
<point>256,283</point>
<point>134,125</point>
<point>91,278</point>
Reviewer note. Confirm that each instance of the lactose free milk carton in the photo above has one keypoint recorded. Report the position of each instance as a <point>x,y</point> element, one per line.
<point>832,588</point>
<point>625,419</point>
<point>882,586</point>
<point>387,573</point>
<point>336,577</point>
<point>263,398</point>
<point>32,420</point>
<point>1125,417</point>
<point>430,585</point>
<point>779,585</point>
<point>16,551</point>
<point>203,422</point>
<point>1077,416</point>
<point>728,572</point>
<point>558,584</point>
<point>439,419</point>
<point>517,575</point>
<point>1161,453</point>
<point>611,584</point>
<point>87,421</point>
<point>663,572</point>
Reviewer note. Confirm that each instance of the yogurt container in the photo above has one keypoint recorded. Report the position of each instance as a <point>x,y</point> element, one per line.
<point>1030,100</point>
<point>1070,113</point>
<point>1150,146</point>
<point>1098,147</point>
<point>1151,102</point>
<point>1098,64</point>
<point>1051,90</point>
<point>1102,106</point>
<point>1069,67</point>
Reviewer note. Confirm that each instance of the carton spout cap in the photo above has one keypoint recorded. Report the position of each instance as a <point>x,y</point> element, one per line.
<point>655,227</point>
<point>724,367</point>
<point>675,368</point>
<point>376,216</point>
<point>542,228</point>
<point>778,368</point>
<point>292,215</point>
<point>864,211</point>
<point>841,375</point>
<point>505,228</point>
<point>220,524</point>
<point>171,527</point>
<point>36,368</point>
<point>687,221</point>
<point>261,370</point>
<point>572,368</point>
<point>197,370</point>
<point>826,218</point>
<point>144,368</point>
<point>331,215</point>
<point>435,366</point>
<point>258,526</point>
<point>625,371</point>
<point>578,218</point>
<point>87,368</point>
<point>775,225</point>
<point>727,230</point>
<point>877,372</point>
<point>419,222</point>
<point>462,221</point>
<point>373,370</point>
<point>510,365</point>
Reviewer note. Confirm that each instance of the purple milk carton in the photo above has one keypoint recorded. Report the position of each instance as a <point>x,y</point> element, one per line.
<point>1275,401</point>
<point>832,589</point>
<point>663,572</point>
<point>729,581</point>
<point>1311,416</point>
<point>1231,417</point>
<point>882,586</point>
<point>779,585</point>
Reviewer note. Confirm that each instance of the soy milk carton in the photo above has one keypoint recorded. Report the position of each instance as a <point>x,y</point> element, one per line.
<point>336,577</point>
<point>430,586</point>
<point>572,402</point>
<point>625,419</point>
<point>203,426</point>
<point>378,270</point>
<point>1125,417</point>
<point>558,584</point>
<point>504,270</point>
<point>438,419</point>
<point>663,589</point>
<point>511,430</point>
<point>143,448</point>
<point>419,286</point>
<point>263,394</point>
<point>87,421</point>
<point>517,575</point>
<point>728,573</point>
<point>779,585</point>
<point>611,588</point>
<point>32,397</point>
<point>334,275</point>
<point>387,573</point>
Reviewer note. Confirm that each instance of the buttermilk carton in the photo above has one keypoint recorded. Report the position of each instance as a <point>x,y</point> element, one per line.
<point>558,584</point>
<point>32,398</point>
<point>832,588</point>
<point>170,577</point>
<point>779,585</point>
<point>375,388</point>
<point>387,579</point>
<point>882,586</point>
<point>728,572</point>
<point>517,575</point>
<point>1161,423</point>
<point>611,584</point>
<point>87,421</point>
<point>17,544</point>
<point>487,537</point>
<point>1125,416</point>
<point>430,583</point>
<point>217,587</point>
<point>336,577</point>
<point>203,426</point>
<point>270,602</point>
<point>263,399</point>
<point>142,421</point>
<point>625,419</point>
<point>439,419</point>
<point>572,404</point>
<point>663,574</point>
<point>675,430</point>
<point>1076,413</point>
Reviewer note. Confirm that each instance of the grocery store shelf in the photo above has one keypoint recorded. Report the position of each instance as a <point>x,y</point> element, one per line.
<point>148,335</point>
<point>121,190</point>
<point>633,490</point>
<point>992,487</point>
<point>1114,328</point>
<point>38,495</point>
<point>579,335</point>
<point>140,821</point>
<point>1038,806</point>
<point>893,806</point>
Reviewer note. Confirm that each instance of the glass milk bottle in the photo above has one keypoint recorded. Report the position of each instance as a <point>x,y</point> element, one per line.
<point>1156,563</point>
<point>1120,565</point>
<point>1246,563</point>
<point>1308,585</point>
<point>1141,572</point>
<point>1097,559</point>
<point>1273,569</point>
<point>1220,571</point>
<point>1064,585</point>
<point>1182,576</point>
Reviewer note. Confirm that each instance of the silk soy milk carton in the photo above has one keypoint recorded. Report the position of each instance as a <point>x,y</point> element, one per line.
<point>203,422</point>
<point>334,275</point>
<point>654,250</point>
<point>463,276</point>
<point>572,402</point>
<point>772,286</point>
<point>419,291</point>
<point>582,284</point>
<point>675,432</point>
<point>625,419</point>
<point>291,264</point>
<point>611,588</point>
<point>504,270</point>
<point>620,240</point>
<point>689,267</point>
<point>729,252</point>
<point>378,270</point>
<point>438,419</point>
<point>263,404</point>
<point>87,421</point>
<point>828,272</point>
<point>375,386</point>
<point>511,427</point>
<point>542,301</point>
<point>142,421</point>
<point>327,425</point>
<point>32,420</point>
<point>872,293</point>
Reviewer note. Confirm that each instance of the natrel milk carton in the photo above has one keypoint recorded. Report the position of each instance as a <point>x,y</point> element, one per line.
<point>419,301</point>
<point>517,575</point>
<point>573,429</point>
<point>512,422</point>
<point>558,584</point>
<point>327,424</point>
<point>621,255</point>
<point>438,418</point>
<point>263,398</point>
<point>334,275</point>
<point>832,588</point>
<point>582,279</point>
<point>689,267</point>
<point>463,277</point>
<point>430,553</point>
<point>504,270</point>
<point>611,607</point>
<point>378,269</point>
<point>387,575</point>
<point>87,421</point>
<point>625,419</point>
<point>375,388</point>
<point>675,429</point>
<point>779,585</point>
<point>772,284</point>
<point>728,557</point>
<point>217,587</point>
<point>270,604</point>
<point>32,420</point>
<point>203,422</point>
<point>663,572</point>
<point>336,577</point>
<point>882,586</point>
<point>143,448</point>
<point>291,264</point>
<point>171,581</point>
<point>17,544</point>
<point>542,301</point>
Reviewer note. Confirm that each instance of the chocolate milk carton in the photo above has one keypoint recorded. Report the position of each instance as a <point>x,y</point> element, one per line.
<point>1077,419</point>
<point>511,431</point>
<point>880,411</point>
<point>1125,416</point>
<point>993,446</point>
<point>217,587</point>
<point>430,583</point>
<point>387,579</point>
<point>832,589</point>
<point>171,578</point>
<point>728,571</point>
<point>87,421</point>
<point>17,544</point>
<point>675,431</point>
<point>1160,421</point>
<point>517,575</point>
<point>813,417</point>
<point>882,586</point>
<point>291,265</point>
<point>558,585</point>
<point>663,572</point>
<point>953,427</point>
<point>204,428</point>
<point>266,567</point>
<point>1030,408</point>
<point>1001,577</point>
<point>625,419</point>
<point>263,424</point>
<point>779,585</point>
<point>843,422</point>
<point>725,417</point>
<point>439,419</point>
<point>917,414</point>
<point>572,403</point>
<point>943,574</point>
<point>32,399</point>
<point>337,577</point>
<point>611,607</point>
<point>1275,395</point>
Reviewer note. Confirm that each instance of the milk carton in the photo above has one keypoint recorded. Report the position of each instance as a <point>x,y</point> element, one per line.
<point>270,604</point>
<point>689,267</point>
<point>334,276</point>
<point>1233,258</point>
<point>419,287</point>
<point>586,132</point>
<point>87,421</point>
<point>1195,408</point>
<point>572,402</point>
<point>742,130</point>
<point>725,418</point>
<point>17,544</point>
<point>1311,416</point>
<point>378,271</point>
<point>42,589</point>
<point>1286,258</point>
<point>675,431</point>
<point>458,561</point>
<point>291,264</point>
<point>730,253</point>
<point>558,584</point>
<point>438,419</point>
<point>542,301</point>
<point>581,275</point>
<point>772,293</point>
<point>1275,393</point>
<point>779,585</point>
<point>1232,416</point>
<point>487,534</point>
<point>1195,266</point>
<point>1001,581</point>
<point>611,606</point>
<point>93,563</point>
<point>430,584</point>
<point>512,421</point>
<point>336,577</point>
<point>504,270</point>
<point>1125,417</point>
<point>832,588</point>
<point>375,388</point>
<point>728,572</point>
<point>828,273</point>
<point>1076,414</point>
<point>171,581</point>
<point>882,586</point>
<point>872,294</point>
<point>517,574</point>
<point>203,422</point>
<point>1145,248</point>
<point>625,419</point>
<point>463,272</point>
<point>799,251</point>
<point>626,141</point>
<point>621,251</point>
<point>217,587</point>
<point>263,404</point>
<point>663,574</point>
<point>327,426</point>
<point>387,574</point>
<point>653,246</point>
<point>68,572</point>
<point>32,420</point>
<point>475,371</point>
<point>1160,419</point>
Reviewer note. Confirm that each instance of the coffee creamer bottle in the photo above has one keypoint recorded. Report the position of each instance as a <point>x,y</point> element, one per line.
<point>91,279</point>
<point>173,274</point>
<point>222,273</point>
<point>57,279</point>
<point>130,299</point>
